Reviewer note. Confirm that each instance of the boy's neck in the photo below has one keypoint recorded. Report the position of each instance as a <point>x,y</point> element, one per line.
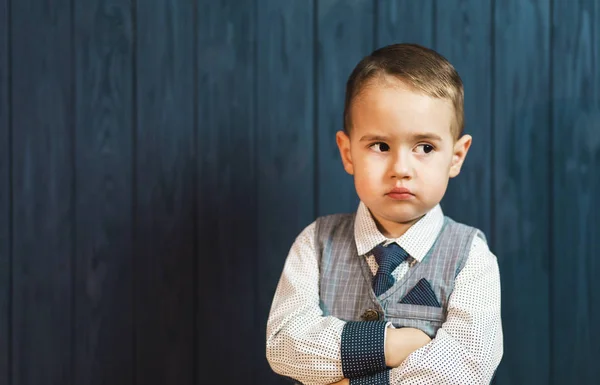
<point>393,230</point>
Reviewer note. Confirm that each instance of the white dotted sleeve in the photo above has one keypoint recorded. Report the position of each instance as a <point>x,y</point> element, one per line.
<point>301,343</point>
<point>468,347</point>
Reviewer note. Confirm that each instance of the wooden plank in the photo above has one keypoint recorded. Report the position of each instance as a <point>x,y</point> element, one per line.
<point>463,31</point>
<point>521,185</point>
<point>575,190</point>
<point>103,108</point>
<point>345,36</point>
<point>164,236</point>
<point>405,21</point>
<point>285,145</point>
<point>5,204</point>
<point>227,202</point>
<point>42,192</point>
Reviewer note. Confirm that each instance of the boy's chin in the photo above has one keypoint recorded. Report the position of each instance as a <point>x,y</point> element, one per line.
<point>401,213</point>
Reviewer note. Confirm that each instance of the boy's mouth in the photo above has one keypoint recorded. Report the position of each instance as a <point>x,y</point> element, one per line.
<point>399,190</point>
<point>400,193</point>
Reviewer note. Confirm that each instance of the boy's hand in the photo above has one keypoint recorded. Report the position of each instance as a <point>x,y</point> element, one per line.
<point>400,343</point>
<point>345,381</point>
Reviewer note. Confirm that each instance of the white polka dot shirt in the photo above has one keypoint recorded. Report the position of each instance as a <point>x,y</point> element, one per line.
<point>306,346</point>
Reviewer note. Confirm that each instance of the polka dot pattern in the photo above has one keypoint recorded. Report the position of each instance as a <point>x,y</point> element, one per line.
<point>306,345</point>
<point>363,348</point>
<point>388,258</point>
<point>469,346</point>
<point>381,378</point>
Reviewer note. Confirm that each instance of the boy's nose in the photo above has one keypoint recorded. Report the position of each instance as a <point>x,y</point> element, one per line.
<point>401,168</point>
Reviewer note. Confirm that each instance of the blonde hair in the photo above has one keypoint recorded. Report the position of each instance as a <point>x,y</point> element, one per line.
<point>419,67</point>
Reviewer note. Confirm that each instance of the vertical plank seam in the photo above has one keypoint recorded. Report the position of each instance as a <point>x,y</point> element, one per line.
<point>550,229</point>
<point>315,75</point>
<point>195,203</point>
<point>255,135</point>
<point>134,122</point>
<point>492,196</point>
<point>10,309</point>
<point>433,26</point>
<point>375,24</point>
<point>73,200</point>
<point>596,18</point>
<point>195,307</point>
<point>492,223</point>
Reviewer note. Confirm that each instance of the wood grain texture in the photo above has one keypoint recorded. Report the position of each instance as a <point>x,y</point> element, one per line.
<point>5,185</point>
<point>183,136</point>
<point>463,32</point>
<point>285,145</point>
<point>103,350</point>
<point>164,211</point>
<point>405,21</point>
<point>229,341</point>
<point>575,189</point>
<point>42,189</point>
<point>345,36</point>
<point>521,185</point>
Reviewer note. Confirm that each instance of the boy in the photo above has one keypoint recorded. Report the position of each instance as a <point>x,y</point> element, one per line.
<point>397,292</point>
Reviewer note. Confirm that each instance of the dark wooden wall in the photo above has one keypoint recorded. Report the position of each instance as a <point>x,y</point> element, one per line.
<point>158,158</point>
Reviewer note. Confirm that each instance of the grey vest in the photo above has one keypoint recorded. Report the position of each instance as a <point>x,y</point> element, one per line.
<point>345,278</point>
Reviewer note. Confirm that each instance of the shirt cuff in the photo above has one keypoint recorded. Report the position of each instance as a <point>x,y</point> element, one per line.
<point>381,378</point>
<point>363,349</point>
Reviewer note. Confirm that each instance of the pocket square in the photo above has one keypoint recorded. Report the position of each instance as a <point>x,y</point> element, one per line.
<point>421,294</point>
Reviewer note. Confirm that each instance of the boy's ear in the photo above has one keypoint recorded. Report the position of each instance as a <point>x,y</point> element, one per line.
<point>343,143</point>
<point>461,147</point>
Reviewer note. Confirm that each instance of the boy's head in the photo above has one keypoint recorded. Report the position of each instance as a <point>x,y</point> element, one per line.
<point>403,129</point>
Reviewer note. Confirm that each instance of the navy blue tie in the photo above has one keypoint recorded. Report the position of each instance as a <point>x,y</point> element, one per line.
<point>388,258</point>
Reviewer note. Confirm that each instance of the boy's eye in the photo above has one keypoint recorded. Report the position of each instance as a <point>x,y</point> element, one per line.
<point>380,146</point>
<point>425,148</point>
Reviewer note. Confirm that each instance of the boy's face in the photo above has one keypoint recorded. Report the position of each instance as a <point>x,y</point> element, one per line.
<point>400,139</point>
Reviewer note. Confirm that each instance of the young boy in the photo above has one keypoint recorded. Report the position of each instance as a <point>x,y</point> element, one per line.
<point>396,293</point>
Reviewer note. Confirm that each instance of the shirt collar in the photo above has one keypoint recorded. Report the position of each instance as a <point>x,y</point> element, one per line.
<point>417,240</point>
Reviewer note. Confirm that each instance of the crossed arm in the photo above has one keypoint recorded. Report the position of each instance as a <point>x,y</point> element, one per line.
<point>312,348</point>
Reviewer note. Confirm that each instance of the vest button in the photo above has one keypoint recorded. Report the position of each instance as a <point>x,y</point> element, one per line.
<point>370,315</point>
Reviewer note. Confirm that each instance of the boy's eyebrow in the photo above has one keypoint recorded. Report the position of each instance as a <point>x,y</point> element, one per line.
<point>423,136</point>
<point>368,138</point>
<point>427,136</point>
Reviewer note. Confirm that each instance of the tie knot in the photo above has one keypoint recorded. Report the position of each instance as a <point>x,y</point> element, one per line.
<point>389,257</point>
